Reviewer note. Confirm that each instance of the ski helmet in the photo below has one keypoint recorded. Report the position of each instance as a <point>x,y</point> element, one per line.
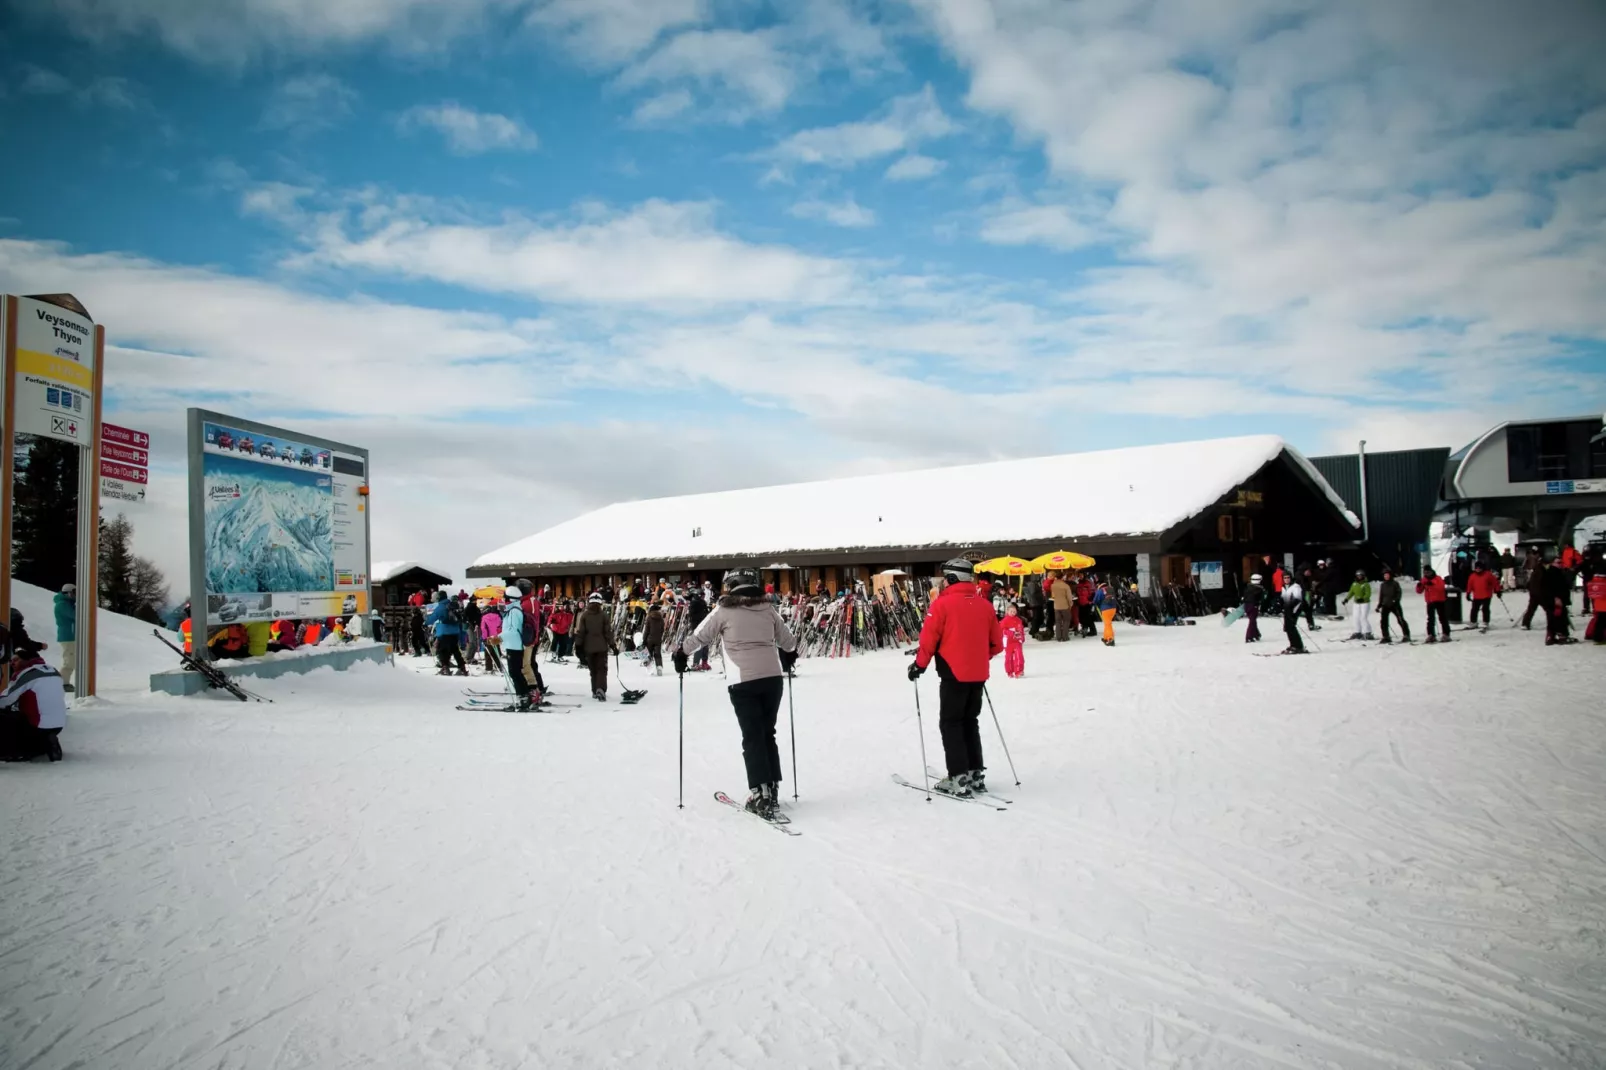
<point>596,596</point>
<point>958,571</point>
<point>526,586</point>
<point>742,581</point>
<point>1255,578</point>
<point>512,594</point>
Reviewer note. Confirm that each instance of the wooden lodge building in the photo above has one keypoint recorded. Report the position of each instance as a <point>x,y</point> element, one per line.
<point>1193,512</point>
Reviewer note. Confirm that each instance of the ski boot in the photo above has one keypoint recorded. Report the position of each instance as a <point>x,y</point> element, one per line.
<point>600,696</point>
<point>978,781</point>
<point>763,802</point>
<point>1430,639</point>
<point>957,786</point>
<point>1385,641</point>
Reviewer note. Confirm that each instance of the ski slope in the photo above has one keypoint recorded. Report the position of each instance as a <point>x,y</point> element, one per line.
<point>1368,857</point>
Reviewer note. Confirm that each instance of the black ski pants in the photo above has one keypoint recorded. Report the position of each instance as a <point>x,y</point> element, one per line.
<point>1600,627</point>
<point>960,721</point>
<point>1310,617</point>
<point>1291,630</point>
<point>446,649</point>
<point>757,704</point>
<point>20,739</point>
<point>1480,605</point>
<point>1439,611</point>
<point>515,672</point>
<point>655,650</point>
<point>1536,604</point>
<point>1556,620</point>
<point>1394,611</point>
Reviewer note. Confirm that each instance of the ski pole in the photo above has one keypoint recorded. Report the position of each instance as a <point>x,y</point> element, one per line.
<point>1000,728</point>
<point>791,717</point>
<point>682,802</point>
<point>1503,607</point>
<point>920,727</point>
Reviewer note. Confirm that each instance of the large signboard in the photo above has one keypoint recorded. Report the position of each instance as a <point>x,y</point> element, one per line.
<point>278,522</point>
<point>55,380</point>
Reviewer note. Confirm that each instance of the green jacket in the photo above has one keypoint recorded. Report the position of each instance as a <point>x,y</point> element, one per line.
<point>1360,592</point>
<point>66,618</point>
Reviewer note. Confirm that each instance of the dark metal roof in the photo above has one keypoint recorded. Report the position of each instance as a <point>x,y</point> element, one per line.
<point>1402,490</point>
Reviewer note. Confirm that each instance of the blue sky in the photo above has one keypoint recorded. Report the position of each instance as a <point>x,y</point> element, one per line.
<point>543,254</point>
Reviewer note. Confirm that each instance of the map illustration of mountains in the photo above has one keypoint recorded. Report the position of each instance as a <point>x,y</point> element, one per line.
<point>267,529</point>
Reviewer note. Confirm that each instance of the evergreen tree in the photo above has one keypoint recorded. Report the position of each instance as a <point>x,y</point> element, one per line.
<point>129,584</point>
<point>44,515</point>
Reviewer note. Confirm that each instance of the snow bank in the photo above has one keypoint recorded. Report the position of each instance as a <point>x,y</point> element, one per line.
<point>1135,491</point>
<point>386,570</point>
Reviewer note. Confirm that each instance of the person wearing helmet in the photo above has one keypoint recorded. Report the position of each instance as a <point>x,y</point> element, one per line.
<point>759,650</point>
<point>513,648</point>
<point>1388,605</point>
<point>963,635</point>
<point>593,640</point>
<point>446,618</point>
<point>1253,594</point>
<point>1435,597</point>
<point>1359,600</point>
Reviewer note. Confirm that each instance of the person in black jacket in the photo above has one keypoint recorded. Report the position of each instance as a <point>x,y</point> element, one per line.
<point>1309,581</point>
<point>1556,588</point>
<point>1388,604</point>
<point>1254,593</point>
<point>696,613</point>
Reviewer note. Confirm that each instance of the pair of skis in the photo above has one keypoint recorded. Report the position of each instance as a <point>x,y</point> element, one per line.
<point>215,677</point>
<point>987,799</point>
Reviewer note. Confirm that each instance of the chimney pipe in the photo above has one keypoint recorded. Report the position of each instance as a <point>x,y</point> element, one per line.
<point>1366,522</point>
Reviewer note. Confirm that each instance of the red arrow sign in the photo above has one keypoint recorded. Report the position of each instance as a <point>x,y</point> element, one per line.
<point>124,436</point>
<point>126,472</point>
<point>125,453</point>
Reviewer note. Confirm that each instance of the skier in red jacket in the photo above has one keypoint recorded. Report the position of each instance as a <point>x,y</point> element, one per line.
<point>1482,586</point>
<point>1431,588</point>
<point>963,634</point>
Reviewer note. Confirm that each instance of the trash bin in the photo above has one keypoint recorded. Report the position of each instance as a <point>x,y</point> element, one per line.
<point>1452,604</point>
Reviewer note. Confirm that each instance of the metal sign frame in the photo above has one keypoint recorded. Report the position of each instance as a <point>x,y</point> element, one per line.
<point>197,419</point>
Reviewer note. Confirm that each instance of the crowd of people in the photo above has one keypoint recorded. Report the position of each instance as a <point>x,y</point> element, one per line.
<point>1482,576</point>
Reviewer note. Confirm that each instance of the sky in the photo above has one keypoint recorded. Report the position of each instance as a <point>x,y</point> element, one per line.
<point>541,255</point>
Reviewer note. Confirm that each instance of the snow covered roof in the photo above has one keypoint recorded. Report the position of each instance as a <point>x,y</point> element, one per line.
<point>384,571</point>
<point>1138,491</point>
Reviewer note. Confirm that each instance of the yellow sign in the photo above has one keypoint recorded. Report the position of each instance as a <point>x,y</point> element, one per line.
<point>55,383</point>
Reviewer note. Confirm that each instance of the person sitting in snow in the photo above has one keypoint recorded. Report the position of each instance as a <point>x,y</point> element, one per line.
<point>33,708</point>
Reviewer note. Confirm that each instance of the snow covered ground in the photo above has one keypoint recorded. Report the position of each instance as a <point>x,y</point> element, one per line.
<point>1369,857</point>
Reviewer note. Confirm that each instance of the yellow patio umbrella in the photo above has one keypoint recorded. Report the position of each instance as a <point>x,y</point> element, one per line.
<point>492,591</point>
<point>1008,566</point>
<point>1061,560</point>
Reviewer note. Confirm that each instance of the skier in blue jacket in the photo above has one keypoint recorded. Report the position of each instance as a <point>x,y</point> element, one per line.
<point>446,619</point>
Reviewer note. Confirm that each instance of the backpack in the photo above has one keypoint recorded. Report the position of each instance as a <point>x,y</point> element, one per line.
<point>527,629</point>
<point>454,613</point>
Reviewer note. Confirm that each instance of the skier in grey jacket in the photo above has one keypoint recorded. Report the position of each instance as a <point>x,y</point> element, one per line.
<point>759,651</point>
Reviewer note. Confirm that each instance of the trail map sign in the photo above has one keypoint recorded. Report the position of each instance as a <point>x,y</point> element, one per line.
<point>278,522</point>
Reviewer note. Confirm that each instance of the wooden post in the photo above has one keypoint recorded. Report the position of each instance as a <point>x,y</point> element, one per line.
<point>7,422</point>
<point>89,513</point>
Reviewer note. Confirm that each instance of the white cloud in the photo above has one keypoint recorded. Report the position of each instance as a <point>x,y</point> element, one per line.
<point>235,32</point>
<point>610,32</point>
<point>664,106</point>
<point>746,68</point>
<point>1053,225</point>
<point>103,90</point>
<point>844,213</point>
<point>469,132</point>
<point>308,102</point>
<point>1358,200</point>
<point>656,253</point>
<point>913,167</point>
<point>907,122</point>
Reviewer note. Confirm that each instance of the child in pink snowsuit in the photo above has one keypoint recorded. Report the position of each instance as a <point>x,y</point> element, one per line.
<point>1014,643</point>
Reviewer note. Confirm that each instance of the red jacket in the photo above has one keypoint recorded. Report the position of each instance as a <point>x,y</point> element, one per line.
<point>1597,593</point>
<point>1084,592</point>
<point>532,609</point>
<point>1431,590</point>
<point>561,620</point>
<point>1014,630</point>
<point>1483,584</point>
<point>964,631</point>
<point>1279,579</point>
<point>1570,557</point>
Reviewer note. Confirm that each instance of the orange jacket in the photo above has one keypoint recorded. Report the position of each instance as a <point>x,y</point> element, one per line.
<point>185,629</point>
<point>1483,584</point>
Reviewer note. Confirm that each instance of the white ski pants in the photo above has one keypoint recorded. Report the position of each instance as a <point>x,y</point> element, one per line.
<point>1361,617</point>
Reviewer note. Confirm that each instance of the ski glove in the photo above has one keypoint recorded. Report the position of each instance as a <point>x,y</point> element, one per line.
<point>680,659</point>
<point>788,659</point>
<point>915,670</point>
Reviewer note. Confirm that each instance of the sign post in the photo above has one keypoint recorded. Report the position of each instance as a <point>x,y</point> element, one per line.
<point>8,346</point>
<point>54,368</point>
